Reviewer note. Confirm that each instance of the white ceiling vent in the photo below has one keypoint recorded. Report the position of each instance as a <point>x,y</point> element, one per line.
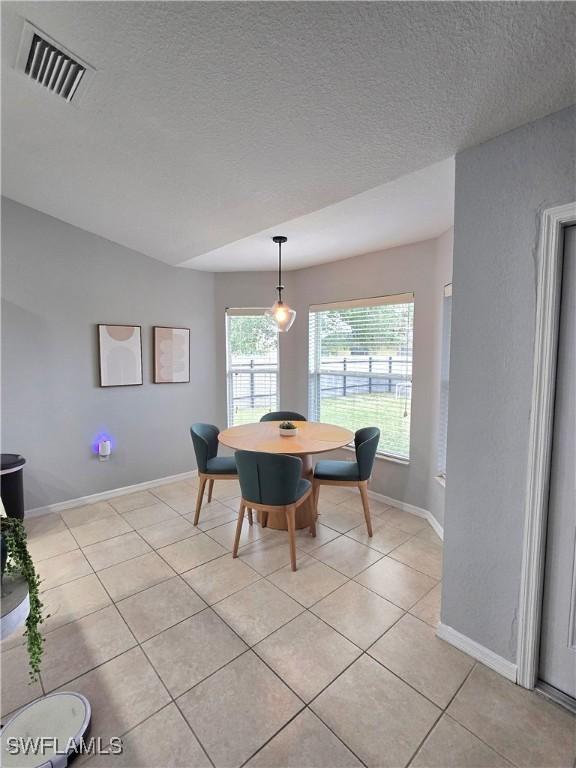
<point>51,64</point>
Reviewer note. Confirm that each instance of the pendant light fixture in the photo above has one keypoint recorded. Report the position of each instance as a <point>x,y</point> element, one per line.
<point>281,313</point>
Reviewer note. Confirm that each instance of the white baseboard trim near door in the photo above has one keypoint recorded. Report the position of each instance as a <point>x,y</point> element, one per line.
<point>413,510</point>
<point>479,652</point>
<point>60,506</point>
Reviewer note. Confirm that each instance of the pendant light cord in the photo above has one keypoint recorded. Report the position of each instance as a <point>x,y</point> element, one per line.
<point>280,286</point>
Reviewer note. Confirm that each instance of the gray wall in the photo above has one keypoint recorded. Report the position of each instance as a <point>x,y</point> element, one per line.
<point>58,282</point>
<point>501,187</point>
<point>423,268</point>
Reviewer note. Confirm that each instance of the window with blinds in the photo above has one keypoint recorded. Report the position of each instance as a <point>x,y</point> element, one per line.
<point>251,365</point>
<point>444,378</point>
<point>360,367</point>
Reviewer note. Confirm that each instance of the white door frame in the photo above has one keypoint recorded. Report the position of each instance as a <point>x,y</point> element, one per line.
<point>550,252</point>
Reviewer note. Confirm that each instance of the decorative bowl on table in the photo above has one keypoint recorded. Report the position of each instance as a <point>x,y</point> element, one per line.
<point>287,429</point>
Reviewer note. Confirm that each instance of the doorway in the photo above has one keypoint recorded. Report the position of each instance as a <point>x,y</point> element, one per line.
<point>538,614</point>
<point>557,667</point>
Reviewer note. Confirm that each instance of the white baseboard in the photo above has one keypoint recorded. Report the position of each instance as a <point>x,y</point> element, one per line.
<point>479,652</point>
<point>60,506</point>
<point>413,510</point>
<point>438,529</point>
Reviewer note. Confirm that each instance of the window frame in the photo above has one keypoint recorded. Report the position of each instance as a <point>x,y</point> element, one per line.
<point>230,312</point>
<point>446,342</point>
<point>374,301</point>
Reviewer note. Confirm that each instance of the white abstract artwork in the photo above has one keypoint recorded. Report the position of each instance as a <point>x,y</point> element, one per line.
<point>171,355</point>
<point>120,355</point>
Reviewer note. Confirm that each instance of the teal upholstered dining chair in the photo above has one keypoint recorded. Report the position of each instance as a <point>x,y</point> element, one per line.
<point>355,473</point>
<point>283,416</point>
<point>272,482</point>
<point>211,467</point>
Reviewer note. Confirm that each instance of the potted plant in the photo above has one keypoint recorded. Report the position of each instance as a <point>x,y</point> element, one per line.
<point>287,429</point>
<point>16,561</point>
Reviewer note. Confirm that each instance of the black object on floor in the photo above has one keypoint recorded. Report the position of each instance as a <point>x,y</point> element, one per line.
<point>11,484</point>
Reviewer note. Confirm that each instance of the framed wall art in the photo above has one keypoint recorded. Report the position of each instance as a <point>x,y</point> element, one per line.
<point>171,355</point>
<point>120,355</point>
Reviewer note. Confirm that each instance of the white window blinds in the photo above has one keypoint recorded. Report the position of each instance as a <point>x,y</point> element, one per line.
<point>444,376</point>
<point>360,367</point>
<point>251,365</point>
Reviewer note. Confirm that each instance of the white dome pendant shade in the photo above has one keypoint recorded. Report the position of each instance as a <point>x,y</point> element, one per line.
<point>280,312</point>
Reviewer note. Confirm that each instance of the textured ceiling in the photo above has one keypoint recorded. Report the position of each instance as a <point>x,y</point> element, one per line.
<point>417,206</point>
<point>208,122</point>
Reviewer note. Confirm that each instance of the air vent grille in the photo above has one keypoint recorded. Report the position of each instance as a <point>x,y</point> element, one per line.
<point>52,65</point>
<point>53,68</point>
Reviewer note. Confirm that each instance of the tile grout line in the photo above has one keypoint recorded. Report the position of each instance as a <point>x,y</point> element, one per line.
<point>411,536</point>
<point>306,707</point>
<point>308,607</point>
<point>138,645</point>
<point>96,666</point>
<point>174,701</point>
<point>250,648</point>
<point>212,560</point>
<point>465,727</point>
<point>276,674</point>
<point>149,717</point>
<point>91,613</point>
<point>398,677</point>
<point>443,713</point>
<point>311,554</point>
<point>353,578</point>
<point>306,704</point>
<point>93,572</point>
<point>276,733</point>
<point>363,652</point>
<point>335,629</point>
<point>261,577</point>
<point>207,606</point>
<point>453,717</point>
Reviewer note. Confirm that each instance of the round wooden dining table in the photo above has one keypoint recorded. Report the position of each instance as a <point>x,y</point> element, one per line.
<point>313,437</point>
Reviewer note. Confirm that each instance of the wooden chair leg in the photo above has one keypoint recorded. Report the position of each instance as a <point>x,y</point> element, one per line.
<point>363,485</point>
<point>315,495</point>
<point>264,519</point>
<point>201,486</point>
<point>238,529</point>
<point>250,518</point>
<point>291,523</point>
<point>312,507</point>
<point>210,489</point>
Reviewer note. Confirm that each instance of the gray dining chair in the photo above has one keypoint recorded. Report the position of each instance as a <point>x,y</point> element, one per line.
<point>272,482</point>
<point>351,473</point>
<point>211,467</point>
<point>283,416</point>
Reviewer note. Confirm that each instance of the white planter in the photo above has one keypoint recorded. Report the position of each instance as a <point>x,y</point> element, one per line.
<point>288,432</point>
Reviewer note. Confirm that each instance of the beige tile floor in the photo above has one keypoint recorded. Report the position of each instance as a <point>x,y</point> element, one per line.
<point>196,659</point>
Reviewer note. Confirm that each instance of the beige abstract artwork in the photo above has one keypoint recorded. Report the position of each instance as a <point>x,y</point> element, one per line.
<point>171,355</point>
<point>120,355</point>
